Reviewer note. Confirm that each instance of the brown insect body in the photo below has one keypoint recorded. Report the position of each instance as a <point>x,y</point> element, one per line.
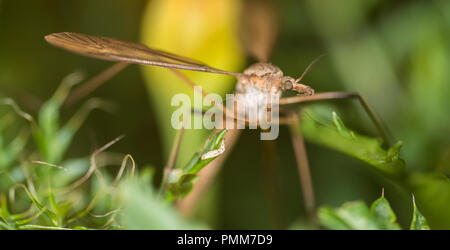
<point>262,83</point>
<point>269,78</point>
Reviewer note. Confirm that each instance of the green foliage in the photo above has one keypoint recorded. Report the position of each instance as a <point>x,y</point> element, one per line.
<point>56,199</point>
<point>418,221</point>
<point>180,181</point>
<point>53,196</point>
<point>42,195</point>
<point>338,137</point>
<point>432,193</point>
<point>398,62</point>
<point>143,209</point>
<point>433,190</point>
<point>357,216</point>
<point>53,141</point>
<point>383,211</point>
<point>134,204</point>
<point>9,153</point>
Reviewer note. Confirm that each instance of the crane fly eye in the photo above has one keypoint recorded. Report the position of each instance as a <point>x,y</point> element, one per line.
<point>287,84</point>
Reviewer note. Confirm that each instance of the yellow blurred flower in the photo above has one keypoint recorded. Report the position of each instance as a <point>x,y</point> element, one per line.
<point>205,30</point>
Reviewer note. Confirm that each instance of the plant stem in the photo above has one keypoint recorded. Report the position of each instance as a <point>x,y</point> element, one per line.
<point>171,161</point>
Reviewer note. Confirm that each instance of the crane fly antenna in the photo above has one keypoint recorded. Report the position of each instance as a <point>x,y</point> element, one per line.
<point>309,68</point>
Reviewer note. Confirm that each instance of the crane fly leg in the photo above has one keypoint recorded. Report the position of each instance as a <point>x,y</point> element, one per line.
<point>271,178</point>
<point>95,82</point>
<point>338,96</point>
<point>301,157</point>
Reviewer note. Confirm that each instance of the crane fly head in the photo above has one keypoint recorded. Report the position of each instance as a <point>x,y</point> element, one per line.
<point>289,83</point>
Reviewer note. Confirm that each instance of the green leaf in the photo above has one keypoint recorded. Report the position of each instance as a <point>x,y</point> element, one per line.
<point>356,215</point>
<point>82,228</point>
<point>50,215</point>
<point>4,225</point>
<point>64,136</point>
<point>40,227</point>
<point>10,153</point>
<point>197,163</point>
<point>74,168</point>
<point>15,147</point>
<point>142,209</point>
<point>303,224</point>
<point>418,221</point>
<point>329,219</point>
<point>53,141</point>
<point>181,180</point>
<point>46,135</point>
<point>4,214</point>
<point>351,215</point>
<point>47,132</point>
<point>367,149</point>
<point>432,192</point>
<point>383,212</point>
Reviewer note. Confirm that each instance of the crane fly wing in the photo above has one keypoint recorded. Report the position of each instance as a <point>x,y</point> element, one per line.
<point>259,28</point>
<point>112,49</point>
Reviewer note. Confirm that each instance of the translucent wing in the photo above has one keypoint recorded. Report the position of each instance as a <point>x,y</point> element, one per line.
<point>112,49</point>
<point>259,28</point>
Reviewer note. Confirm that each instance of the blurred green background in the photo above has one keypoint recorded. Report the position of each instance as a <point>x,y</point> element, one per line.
<point>394,53</point>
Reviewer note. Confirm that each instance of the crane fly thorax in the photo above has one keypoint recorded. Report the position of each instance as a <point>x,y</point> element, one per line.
<point>268,79</point>
<point>261,86</point>
<point>259,83</point>
<point>257,88</point>
<point>260,79</point>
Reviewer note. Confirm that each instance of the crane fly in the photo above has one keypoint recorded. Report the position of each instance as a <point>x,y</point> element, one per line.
<point>255,84</point>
